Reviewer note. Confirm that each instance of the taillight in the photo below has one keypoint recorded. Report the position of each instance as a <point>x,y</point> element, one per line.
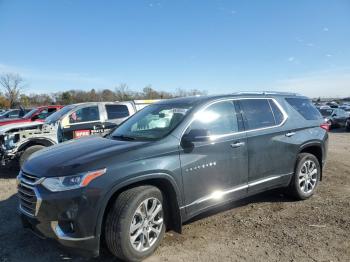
<point>325,126</point>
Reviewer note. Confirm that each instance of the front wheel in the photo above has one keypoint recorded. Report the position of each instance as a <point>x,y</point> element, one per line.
<point>306,177</point>
<point>135,225</point>
<point>28,152</point>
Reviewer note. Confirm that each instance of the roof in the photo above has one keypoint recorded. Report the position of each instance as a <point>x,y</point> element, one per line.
<point>49,106</point>
<point>194,100</point>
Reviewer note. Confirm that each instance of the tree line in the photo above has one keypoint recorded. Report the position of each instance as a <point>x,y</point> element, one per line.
<point>13,95</point>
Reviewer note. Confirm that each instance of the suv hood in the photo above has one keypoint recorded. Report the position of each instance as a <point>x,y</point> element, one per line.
<point>76,156</point>
<point>12,120</point>
<point>6,128</point>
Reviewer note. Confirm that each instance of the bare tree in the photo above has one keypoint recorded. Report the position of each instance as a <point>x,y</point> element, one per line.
<point>122,92</point>
<point>13,85</point>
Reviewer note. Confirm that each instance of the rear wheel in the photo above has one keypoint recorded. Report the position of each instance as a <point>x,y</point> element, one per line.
<point>135,224</point>
<point>28,152</point>
<point>347,125</point>
<point>306,177</point>
<point>330,124</point>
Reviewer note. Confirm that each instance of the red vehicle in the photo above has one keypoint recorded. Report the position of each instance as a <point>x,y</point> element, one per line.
<point>37,114</point>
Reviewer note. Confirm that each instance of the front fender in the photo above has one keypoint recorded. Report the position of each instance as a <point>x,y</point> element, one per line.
<point>35,141</point>
<point>131,181</point>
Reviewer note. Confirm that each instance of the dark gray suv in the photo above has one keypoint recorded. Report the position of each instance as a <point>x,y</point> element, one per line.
<point>168,163</point>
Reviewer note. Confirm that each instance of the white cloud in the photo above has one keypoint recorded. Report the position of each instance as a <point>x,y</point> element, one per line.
<point>325,29</point>
<point>327,83</point>
<point>291,59</point>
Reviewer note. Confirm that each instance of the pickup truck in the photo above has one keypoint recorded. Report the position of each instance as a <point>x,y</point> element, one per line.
<point>19,141</point>
<point>36,114</point>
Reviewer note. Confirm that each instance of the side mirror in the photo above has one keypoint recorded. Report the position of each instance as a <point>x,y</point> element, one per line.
<point>195,135</point>
<point>335,114</point>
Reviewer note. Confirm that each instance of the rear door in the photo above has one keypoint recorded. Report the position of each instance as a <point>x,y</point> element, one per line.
<point>83,121</point>
<point>269,160</point>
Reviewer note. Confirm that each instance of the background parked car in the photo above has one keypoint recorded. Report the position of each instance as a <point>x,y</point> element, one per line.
<point>346,108</point>
<point>14,113</point>
<point>335,117</point>
<point>20,140</point>
<point>36,114</point>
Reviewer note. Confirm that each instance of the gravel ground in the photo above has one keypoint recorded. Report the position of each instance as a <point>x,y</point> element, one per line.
<point>267,227</point>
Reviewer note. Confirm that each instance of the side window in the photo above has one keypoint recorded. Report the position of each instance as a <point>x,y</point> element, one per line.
<point>276,112</point>
<point>305,108</point>
<point>43,114</point>
<point>257,113</point>
<point>218,119</point>
<point>117,111</point>
<point>85,114</point>
<point>52,110</point>
<point>342,113</point>
<point>13,114</point>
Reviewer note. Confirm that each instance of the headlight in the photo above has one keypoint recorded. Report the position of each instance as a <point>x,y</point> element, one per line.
<point>56,184</point>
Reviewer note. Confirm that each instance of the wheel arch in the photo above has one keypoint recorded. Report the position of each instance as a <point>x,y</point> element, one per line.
<point>35,141</point>
<point>163,182</point>
<point>316,149</point>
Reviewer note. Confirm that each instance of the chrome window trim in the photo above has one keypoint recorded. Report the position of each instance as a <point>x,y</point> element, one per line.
<point>86,122</point>
<point>214,137</point>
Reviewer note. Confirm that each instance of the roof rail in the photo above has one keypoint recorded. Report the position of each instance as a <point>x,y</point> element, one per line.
<point>265,93</point>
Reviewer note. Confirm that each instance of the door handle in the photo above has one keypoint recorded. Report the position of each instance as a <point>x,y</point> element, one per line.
<point>237,144</point>
<point>290,134</point>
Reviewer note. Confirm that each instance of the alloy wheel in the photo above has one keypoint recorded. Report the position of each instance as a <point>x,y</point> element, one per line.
<point>146,224</point>
<point>308,176</point>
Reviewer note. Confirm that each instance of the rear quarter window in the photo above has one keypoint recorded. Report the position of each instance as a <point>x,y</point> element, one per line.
<point>305,107</point>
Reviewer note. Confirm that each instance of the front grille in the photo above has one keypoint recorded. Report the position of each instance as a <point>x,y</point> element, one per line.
<point>27,194</point>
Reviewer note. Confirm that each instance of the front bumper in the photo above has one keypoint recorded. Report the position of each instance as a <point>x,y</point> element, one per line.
<point>69,217</point>
<point>86,246</point>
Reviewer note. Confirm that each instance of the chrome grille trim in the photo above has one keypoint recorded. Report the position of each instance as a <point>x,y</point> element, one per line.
<point>28,195</point>
<point>29,179</point>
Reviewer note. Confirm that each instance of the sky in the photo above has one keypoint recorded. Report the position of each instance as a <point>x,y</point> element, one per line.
<point>217,46</point>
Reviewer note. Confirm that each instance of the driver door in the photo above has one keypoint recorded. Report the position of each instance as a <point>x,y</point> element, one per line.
<point>215,168</point>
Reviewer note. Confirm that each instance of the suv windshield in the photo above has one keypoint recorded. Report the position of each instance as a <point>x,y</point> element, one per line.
<point>57,115</point>
<point>151,123</point>
<point>326,112</point>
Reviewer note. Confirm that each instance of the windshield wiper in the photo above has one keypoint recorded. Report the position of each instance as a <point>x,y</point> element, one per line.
<point>122,137</point>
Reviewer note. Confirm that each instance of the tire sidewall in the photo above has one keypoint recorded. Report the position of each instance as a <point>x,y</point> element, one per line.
<point>302,160</point>
<point>125,222</point>
<point>347,125</point>
<point>28,152</point>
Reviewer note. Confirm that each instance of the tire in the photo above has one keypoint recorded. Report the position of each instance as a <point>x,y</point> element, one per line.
<point>347,125</point>
<point>28,152</point>
<point>331,125</point>
<point>125,212</point>
<point>297,188</point>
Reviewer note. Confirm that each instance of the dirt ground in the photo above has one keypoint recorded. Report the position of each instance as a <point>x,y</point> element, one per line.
<point>267,227</point>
